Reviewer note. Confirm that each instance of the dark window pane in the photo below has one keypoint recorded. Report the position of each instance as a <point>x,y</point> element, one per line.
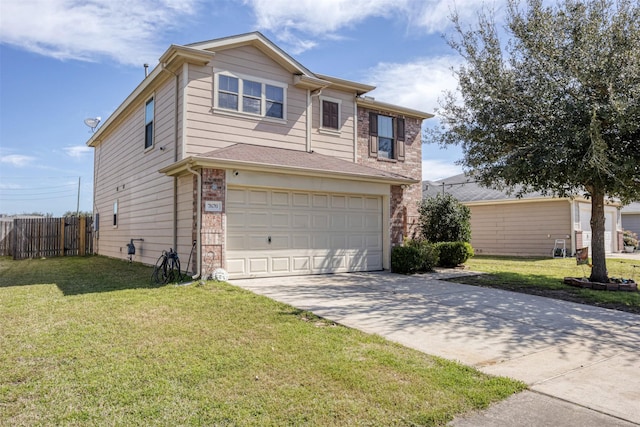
<point>250,88</point>
<point>275,93</point>
<point>385,126</point>
<point>274,109</point>
<point>385,147</point>
<point>148,111</point>
<point>330,115</point>
<point>228,100</point>
<point>228,84</point>
<point>148,135</point>
<point>250,105</point>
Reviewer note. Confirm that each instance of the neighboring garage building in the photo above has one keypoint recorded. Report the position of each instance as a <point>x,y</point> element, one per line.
<point>502,224</point>
<point>631,217</point>
<point>269,168</point>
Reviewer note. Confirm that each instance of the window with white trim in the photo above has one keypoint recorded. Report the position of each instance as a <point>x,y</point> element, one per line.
<point>115,213</point>
<point>250,95</point>
<point>149,113</point>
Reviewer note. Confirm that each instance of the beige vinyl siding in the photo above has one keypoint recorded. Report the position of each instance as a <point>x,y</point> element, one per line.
<point>126,172</point>
<point>520,228</point>
<point>185,214</point>
<point>209,129</point>
<point>328,143</point>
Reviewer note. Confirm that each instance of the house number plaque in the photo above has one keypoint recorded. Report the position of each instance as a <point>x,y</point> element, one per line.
<point>212,206</point>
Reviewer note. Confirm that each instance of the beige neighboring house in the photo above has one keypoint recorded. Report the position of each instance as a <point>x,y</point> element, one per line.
<point>631,217</point>
<point>502,224</point>
<point>269,168</point>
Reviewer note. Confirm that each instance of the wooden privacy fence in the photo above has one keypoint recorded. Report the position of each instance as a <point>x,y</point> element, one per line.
<point>46,237</point>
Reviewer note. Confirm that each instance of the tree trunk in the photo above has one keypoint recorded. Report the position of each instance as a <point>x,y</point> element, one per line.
<point>598,259</point>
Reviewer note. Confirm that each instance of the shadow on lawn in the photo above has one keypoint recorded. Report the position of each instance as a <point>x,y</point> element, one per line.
<point>76,275</point>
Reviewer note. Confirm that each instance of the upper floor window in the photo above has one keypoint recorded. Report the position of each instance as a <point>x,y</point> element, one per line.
<point>251,96</point>
<point>387,137</point>
<point>330,112</point>
<point>148,123</point>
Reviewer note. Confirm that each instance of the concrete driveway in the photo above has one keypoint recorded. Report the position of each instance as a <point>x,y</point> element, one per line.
<point>582,363</point>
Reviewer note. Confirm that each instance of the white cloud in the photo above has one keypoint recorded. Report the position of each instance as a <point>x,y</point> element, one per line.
<point>417,84</point>
<point>124,30</point>
<point>294,21</point>
<point>17,160</point>
<point>433,170</point>
<point>77,150</point>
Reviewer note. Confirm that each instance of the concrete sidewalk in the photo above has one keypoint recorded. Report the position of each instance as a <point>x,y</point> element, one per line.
<point>582,363</point>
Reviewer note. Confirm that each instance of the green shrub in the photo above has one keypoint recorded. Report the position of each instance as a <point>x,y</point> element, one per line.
<point>429,253</point>
<point>444,219</point>
<point>405,259</point>
<point>453,253</point>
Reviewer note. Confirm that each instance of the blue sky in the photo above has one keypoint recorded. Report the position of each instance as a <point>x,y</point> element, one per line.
<point>62,61</point>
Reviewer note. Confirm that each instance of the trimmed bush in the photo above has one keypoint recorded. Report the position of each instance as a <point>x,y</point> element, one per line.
<point>453,254</point>
<point>429,253</point>
<point>405,259</point>
<point>444,219</point>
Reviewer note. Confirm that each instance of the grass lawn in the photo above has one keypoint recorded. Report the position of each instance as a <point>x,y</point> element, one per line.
<point>543,276</point>
<point>88,341</point>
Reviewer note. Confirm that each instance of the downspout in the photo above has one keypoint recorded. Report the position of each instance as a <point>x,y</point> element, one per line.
<point>572,210</point>
<point>175,156</point>
<point>309,111</point>
<point>198,224</point>
<point>355,129</point>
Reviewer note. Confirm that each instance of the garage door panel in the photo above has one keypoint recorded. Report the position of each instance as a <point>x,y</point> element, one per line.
<point>301,241</point>
<point>301,220</point>
<point>236,242</point>
<point>321,222</point>
<point>258,265</point>
<point>338,202</point>
<point>310,232</point>
<point>338,222</point>
<point>356,203</point>
<point>280,220</point>
<point>280,198</point>
<point>236,196</point>
<point>326,263</point>
<point>258,197</point>
<point>301,200</point>
<point>320,201</point>
<point>301,264</point>
<point>280,265</point>
<point>338,242</point>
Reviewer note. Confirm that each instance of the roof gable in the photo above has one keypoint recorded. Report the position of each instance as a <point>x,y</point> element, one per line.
<point>259,41</point>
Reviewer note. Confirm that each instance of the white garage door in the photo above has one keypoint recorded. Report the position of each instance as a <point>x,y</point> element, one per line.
<point>280,232</point>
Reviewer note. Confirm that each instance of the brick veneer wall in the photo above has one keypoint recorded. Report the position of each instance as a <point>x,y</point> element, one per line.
<point>213,223</point>
<point>404,201</point>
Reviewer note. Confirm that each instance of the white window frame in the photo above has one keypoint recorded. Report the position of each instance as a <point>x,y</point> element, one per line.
<point>152,121</point>
<point>115,214</point>
<point>263,97</point>
<point>323,129</point>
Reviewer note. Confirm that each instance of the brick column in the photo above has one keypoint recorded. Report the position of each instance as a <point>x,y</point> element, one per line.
<point>213,220</point>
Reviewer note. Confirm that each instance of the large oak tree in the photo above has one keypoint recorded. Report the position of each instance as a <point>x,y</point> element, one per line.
<point>551,102</point>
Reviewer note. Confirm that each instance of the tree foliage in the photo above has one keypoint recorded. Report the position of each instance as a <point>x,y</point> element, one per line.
<point>556,108</point>
<point>444,219</point>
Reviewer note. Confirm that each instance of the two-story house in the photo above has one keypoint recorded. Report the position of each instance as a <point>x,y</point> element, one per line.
<point>264,167</point>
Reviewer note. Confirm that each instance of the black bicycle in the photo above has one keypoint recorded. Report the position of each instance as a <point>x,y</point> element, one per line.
<point>167,268</point>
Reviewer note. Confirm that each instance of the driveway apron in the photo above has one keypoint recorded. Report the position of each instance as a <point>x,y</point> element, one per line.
<point>572,356</point>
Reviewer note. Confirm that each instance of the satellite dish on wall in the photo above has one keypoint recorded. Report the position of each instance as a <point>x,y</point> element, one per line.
<point>92,123</point>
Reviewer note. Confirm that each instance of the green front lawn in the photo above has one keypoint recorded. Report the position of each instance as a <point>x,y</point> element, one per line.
<point>88,341</point>
<point>544,276</point>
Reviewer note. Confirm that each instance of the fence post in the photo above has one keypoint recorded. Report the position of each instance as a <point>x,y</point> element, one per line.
<point>61,241</point>
<point>82,229</point>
